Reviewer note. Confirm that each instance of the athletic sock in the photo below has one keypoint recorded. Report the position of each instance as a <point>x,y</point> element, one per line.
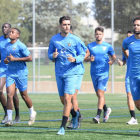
<point>64,121</point>
<point>105,107</point>
<point>73,113</point>
<point>31,110</point>
<point>9,112</point>
<point>17,112</point>
<point>5,110</point>
<point>99,111</point>
<point>132,113</point>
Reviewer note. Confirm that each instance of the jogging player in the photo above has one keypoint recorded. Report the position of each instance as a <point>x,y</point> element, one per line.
<point>4,39</point>
<point>130,101</point>
<point>68,52</point>
<point>99,70</point>
<point>17,55</point>
<point>132,44</point>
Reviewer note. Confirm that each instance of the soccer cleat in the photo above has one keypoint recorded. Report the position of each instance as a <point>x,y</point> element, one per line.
<point>70,125</point>
<point>132,121</point>
<point>80,118</point>
<point>75,120</point>
<point>96,119</point>
<point>17,120</point>
<point>9,123</point>
<point>32,119</point>
<point>61,131</point>
<point>5,119</point>
<point>106,114</point>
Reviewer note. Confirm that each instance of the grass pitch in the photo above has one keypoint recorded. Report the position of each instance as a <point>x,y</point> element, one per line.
<point>49,114</point>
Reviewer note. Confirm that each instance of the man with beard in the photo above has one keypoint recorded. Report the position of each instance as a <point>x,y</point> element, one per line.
<point>132,44</point>
<point>130,101</point>
<point>99,70</point>
<point>4,39</point>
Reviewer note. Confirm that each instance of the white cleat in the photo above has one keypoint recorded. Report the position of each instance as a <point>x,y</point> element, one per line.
<point>106,114</point>
<point>32,119</point>
<point>5,119</point>
<point>132,121</point>
<point>9,123</point>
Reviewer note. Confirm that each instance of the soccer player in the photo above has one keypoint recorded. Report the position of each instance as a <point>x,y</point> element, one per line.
<point>17,55</point>
<point>3,68</point>
<point>132,44</point>
<point>77,88</point>
<point>130,101</point>
<point>68,52</point>
<point>99,70</point>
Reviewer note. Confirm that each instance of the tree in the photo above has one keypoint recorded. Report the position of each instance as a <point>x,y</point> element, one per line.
<point>124,13</point>
<point>9,13</point>
<point>47,16</point>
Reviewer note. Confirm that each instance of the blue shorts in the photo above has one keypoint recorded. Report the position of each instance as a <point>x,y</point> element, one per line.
<point>66,84</point>
<point>135,87</point>
<point>127,84</point>
<point>99,82</point>
<point>78,82</point>
<point>21,83</point>
<point>3,74</point>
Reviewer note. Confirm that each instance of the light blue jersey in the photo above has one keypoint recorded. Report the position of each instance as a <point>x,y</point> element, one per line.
<point>3,66</point>
<point>133,45</point>
<point>101,53</point>
<point>69,45</point>
<point>18,50</point>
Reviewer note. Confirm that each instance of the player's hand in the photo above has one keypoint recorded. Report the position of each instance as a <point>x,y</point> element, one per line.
<point>11,57</point>
<point>6,61</point>
<point>92,58</point>
<point>55,53</point>
<point>70,58</point>
<point>120,63</point>
<point>110,62</point>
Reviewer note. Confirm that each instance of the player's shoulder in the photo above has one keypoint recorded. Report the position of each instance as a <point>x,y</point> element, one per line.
<point>20,44</point>
<point>55,37</point>
<point>92,44</point>
<point>1,38</point>
<point>106,44</point>
<point>129,40</point>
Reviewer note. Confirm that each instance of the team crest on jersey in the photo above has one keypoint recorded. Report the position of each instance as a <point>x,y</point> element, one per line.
<point>104,48</point>
<point>69,44</point>
<point>14,47</point>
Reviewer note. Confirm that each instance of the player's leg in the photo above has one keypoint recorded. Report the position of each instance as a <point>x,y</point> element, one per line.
<point>21,83</point>
<point>16,105</point>
<point>10,93</point>
<point>69,89</point>
<point>3,99</point>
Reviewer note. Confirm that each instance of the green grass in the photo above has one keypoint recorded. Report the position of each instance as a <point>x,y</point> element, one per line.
<point>116,127</point>
<point>48,70</point>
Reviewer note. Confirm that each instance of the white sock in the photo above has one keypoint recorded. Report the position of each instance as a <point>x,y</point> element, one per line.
<point>9,112</point>
<point>31,110</point>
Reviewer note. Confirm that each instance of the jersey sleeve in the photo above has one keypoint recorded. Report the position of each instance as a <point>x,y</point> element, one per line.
<point>80,52</point>
<point>110,50</point>
<point>24,50</point>
<point>124,44</point>
<point>51,50</point>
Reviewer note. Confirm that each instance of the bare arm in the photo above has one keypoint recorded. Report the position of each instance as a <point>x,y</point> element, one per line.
<point>23,59</point>
<point>125,52</point>
<point>112,60</point>
<point>121,63</point>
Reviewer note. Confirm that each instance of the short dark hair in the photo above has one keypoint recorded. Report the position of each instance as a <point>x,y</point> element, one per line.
<point>136,18</point>
<point>19,32</point>
<point>99,29</point>
<point>64,18</point>
<point>8,24</point>
<point>129,32</point>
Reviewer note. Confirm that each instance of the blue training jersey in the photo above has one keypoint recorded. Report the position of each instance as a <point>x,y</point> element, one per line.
<point>101,53</point>
<point>69,45</point>
<point>3,42</point>
<point>18,50</point>
<point>133,45</point>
